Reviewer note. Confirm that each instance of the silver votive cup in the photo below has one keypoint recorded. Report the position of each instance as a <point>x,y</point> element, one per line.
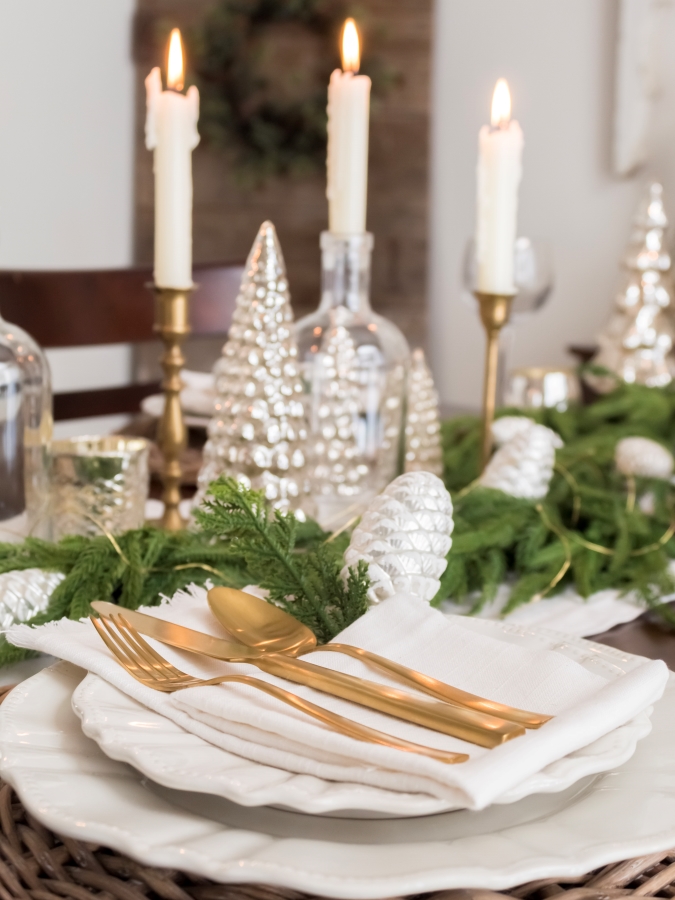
<point>534,387</point>
<point>97,485</point>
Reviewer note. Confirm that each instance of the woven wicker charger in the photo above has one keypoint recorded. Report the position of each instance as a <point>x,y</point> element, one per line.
<point>37,864</point>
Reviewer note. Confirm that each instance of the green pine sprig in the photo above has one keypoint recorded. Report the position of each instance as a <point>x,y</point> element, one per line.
<point>294,561</point>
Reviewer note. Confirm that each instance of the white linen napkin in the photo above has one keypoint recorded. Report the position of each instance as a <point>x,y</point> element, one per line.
<point>586,704</point>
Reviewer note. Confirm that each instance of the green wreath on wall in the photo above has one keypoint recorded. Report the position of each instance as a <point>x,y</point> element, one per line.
<point>262,67</point>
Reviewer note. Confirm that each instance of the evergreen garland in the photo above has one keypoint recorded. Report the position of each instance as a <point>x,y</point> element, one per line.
<point>588,531</point>
<point>240,543</point>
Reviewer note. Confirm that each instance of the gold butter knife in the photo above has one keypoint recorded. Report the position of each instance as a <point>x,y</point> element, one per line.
<point>468,725</point>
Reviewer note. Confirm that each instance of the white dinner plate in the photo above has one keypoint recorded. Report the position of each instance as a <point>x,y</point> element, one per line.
<point>128,731</point>
<point>159,748</point>
<point>69,784</point>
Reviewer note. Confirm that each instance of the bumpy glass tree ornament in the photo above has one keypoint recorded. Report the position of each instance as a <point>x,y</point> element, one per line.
<point>422,427</point>
<point>637,342</point>
<point>353,364</point>
<point>258,433</point>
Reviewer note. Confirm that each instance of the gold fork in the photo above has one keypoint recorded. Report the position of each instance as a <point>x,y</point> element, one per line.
<point>144,664</point>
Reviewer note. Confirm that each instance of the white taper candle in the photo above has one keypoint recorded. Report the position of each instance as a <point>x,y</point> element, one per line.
<point>499,173</point>
<point>171,132</point>
<point>348,119</point>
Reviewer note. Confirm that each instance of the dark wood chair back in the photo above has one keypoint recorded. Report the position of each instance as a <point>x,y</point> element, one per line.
<point>71,309</point>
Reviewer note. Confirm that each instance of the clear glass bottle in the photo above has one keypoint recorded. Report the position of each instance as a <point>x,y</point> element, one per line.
<point>354,365</point>
<point>25,431</point>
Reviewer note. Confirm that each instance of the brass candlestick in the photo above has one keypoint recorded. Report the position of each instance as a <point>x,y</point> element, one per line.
<point>495,310</point>
<point>173,325</point>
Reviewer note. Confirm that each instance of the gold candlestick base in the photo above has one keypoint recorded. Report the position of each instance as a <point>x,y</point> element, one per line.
<point>173,325</point>
<point>495,310</point>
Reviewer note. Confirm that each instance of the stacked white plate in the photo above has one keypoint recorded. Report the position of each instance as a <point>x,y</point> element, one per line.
<point>162,750</point>
<point>146,788</point>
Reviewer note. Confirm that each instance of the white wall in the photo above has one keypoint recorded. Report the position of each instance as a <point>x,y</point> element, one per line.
<point>558,57</point>
<point>66,149</point>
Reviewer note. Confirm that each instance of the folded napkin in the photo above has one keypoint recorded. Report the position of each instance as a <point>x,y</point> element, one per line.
<point>587,701</point>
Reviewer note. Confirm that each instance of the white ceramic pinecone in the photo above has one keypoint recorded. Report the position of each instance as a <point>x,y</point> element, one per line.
<point>404,536</point>
<point>24,593</point>
<point>508,427</point>
<point>523,466</point>
<point>643,457</point>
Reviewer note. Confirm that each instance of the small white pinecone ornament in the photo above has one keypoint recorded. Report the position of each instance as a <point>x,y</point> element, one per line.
<point>404,536</point>
<point>24,593</point>
<point>508,427</point>
<point>423,428</point>
<point>523,465</point>
<point>643,457</point>
<point>259,431</point>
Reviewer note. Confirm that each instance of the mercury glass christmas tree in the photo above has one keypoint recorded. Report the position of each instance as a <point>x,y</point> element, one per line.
<point>258,434</point>
<point>637,343</point>
<point>338,474</point>
<point>423,429</point>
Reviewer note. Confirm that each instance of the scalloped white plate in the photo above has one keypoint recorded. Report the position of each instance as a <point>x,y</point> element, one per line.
<point>128,731</point>
<point>65,780</point>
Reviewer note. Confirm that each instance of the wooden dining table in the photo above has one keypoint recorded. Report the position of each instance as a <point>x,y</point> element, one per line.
<point>649,635</point>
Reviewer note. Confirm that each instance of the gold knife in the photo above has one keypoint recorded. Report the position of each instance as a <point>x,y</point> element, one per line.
<point>466,724</point>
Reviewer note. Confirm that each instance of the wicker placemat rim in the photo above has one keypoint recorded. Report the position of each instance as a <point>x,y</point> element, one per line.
<point>38,864</point>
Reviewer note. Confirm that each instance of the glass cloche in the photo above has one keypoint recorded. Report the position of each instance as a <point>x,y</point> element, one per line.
<point>25,430</point>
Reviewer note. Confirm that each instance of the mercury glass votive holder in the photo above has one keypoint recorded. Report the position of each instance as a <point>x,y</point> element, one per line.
<point>98,485</point>
<point>536,387</point>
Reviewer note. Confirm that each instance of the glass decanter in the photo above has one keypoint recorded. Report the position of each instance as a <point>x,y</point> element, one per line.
<point>25,431</point>
<point>353,363</point>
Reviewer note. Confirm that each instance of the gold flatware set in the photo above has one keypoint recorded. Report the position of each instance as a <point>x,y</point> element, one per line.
<point>271,639</point>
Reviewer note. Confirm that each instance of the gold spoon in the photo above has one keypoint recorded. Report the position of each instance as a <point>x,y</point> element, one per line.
<point>264,626</point>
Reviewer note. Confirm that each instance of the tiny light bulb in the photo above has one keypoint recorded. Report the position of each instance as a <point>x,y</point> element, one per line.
<point>501,105</point>
<point>351,54</point>
<point>175,70</point>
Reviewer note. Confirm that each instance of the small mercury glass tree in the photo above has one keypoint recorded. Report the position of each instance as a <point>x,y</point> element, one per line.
<point>423,429</point>
<point>338,472</point>
<point>637,342</point>
<point>258,433</point>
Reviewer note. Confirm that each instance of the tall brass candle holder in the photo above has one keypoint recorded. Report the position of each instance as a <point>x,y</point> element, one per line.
<point>172,323</point>
<point>495,310</point>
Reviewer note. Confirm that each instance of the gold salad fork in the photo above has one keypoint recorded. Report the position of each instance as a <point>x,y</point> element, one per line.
<point>144,664</point>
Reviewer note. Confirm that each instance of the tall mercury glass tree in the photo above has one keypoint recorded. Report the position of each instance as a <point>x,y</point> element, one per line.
<point>258,434</point>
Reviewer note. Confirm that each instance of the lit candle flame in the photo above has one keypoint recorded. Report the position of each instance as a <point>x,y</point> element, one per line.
<point>351,54</point>
<point>175,73</point>
<point>501,105</point>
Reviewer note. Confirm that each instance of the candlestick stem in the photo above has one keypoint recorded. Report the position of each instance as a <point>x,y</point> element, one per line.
<point>495,310</point>
<point>173,325</point>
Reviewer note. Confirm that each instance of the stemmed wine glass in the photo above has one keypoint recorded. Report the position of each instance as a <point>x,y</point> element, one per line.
<point>533,278</point>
